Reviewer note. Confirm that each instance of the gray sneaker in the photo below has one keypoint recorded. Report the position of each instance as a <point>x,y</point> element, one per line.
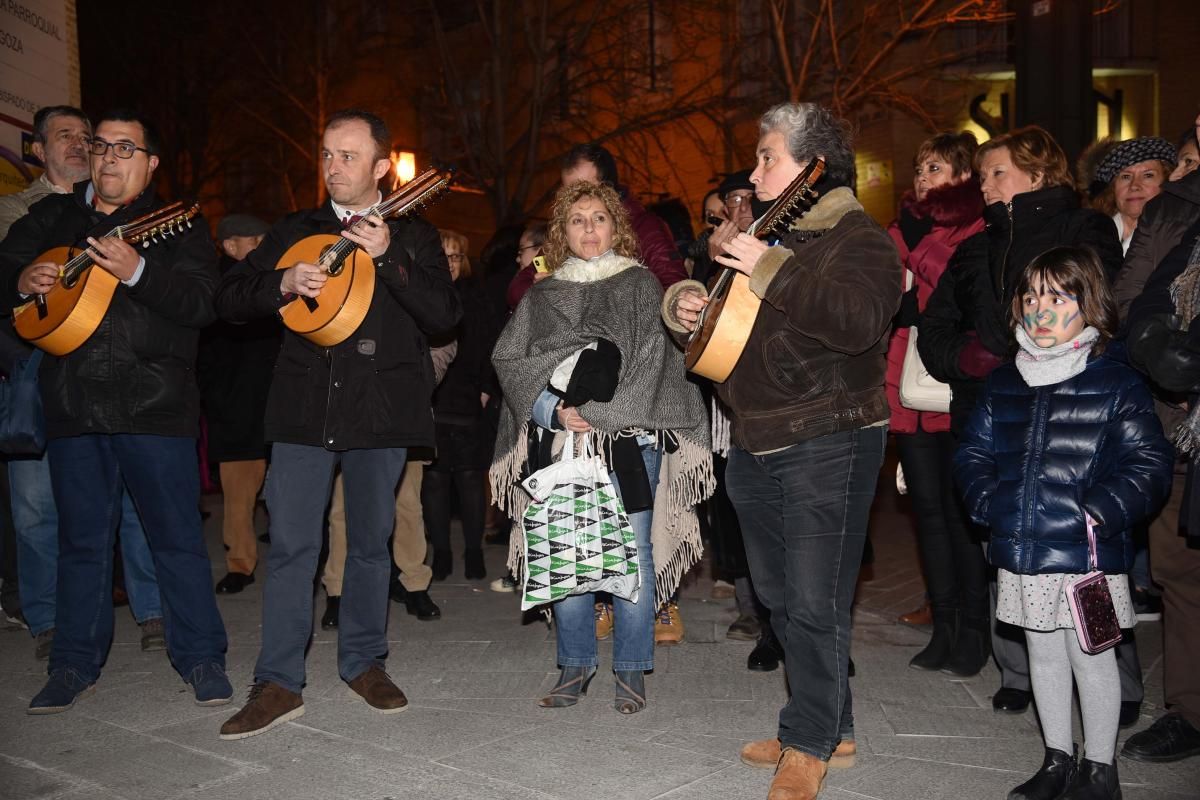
<point>154,638</point>
<point>42,643</point>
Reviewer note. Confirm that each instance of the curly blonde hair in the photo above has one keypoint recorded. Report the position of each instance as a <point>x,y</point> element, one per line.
<point>624,240</point>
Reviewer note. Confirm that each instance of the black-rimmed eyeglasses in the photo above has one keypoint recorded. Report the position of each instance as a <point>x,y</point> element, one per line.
<point>99,147</point>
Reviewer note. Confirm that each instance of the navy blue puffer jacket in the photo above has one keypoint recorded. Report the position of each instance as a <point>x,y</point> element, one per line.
<point>1033,460</point>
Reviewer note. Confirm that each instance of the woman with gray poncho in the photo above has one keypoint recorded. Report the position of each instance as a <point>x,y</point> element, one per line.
<point>585,352</point>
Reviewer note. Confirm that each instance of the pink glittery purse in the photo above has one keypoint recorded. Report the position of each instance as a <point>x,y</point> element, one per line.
<point>1092,609</point>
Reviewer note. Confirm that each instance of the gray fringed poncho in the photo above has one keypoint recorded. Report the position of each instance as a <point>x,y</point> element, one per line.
<point>614,298</point>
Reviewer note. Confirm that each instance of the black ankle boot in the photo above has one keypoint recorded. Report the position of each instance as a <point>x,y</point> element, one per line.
<point>1049,782</point>
<point>937,652</point>
<point>1095,781</point>
<point>443,564</point>
<point>971,649</point>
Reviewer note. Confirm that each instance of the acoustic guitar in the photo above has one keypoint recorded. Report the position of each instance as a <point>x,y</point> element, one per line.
<point>334,315</point>
<point>65,317</point>
<point>724,326</point>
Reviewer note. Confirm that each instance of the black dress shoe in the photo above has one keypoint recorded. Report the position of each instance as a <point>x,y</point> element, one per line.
<point>1048,783</point>
<point>1170,738</point>
<point>329,620</point>
<point>1011,701</point>
<point>765,656</point>
<point>1094,781</point>
<point>233,583</point>
<point>1131,712</point>
<point>421,605</point>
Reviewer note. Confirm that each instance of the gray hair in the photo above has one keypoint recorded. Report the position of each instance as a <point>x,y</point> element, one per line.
<point>41,120</point>
<point>810,130</point>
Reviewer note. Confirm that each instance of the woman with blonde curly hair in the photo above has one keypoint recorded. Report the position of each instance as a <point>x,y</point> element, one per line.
<point>585,352</point>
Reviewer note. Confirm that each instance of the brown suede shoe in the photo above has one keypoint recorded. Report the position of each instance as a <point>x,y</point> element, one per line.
<point>764,754</point>
<point>377,689</point>
<point>798,776</point>
<point>268,705</point>
<point>918,616</point>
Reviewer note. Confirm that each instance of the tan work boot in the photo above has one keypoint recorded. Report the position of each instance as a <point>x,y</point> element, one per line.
<point>268,705</point>
<point>798,776</point>
<point>764,754</point>
<point>604,620</point>
<point>668,625</point>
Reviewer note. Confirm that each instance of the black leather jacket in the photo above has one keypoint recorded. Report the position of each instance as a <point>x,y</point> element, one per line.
<point>136,373</point>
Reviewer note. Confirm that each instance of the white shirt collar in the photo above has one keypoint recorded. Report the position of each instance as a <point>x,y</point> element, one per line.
<point>343,213</point>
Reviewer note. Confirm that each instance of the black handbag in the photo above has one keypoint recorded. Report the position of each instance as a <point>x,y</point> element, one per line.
<point>22,422</point>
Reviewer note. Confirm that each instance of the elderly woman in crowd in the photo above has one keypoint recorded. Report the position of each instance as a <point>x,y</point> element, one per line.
<point>1031,206</point>
<point>943,210</point>
<point>809,415</point>
<point>585,352</point>
<point>1130,175</point>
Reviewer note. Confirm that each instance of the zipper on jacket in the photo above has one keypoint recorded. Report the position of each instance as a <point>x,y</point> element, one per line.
<point>325,442</point>
<point>1031,465</point>
<point>1004,263</point>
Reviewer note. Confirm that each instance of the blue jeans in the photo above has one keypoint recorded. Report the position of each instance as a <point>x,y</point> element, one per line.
<point>299,485</point>
<point>633,623</point>
<point>35,518</point>
<point>89,474</point>
<point>804,514</point>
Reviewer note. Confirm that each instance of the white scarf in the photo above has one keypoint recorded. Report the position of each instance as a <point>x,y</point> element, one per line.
<point>1044,366</point>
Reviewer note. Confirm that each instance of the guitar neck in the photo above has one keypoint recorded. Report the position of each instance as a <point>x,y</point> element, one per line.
<point>793,202</point>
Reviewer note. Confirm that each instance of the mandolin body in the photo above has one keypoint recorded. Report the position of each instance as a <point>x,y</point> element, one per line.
<point>72,313</point>
<point>344,301</point>
<point>723,330</point>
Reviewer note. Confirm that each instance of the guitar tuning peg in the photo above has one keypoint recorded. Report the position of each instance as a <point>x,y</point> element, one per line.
<point>145,245</point>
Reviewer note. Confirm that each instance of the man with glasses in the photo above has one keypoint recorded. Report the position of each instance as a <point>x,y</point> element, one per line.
<point>61,136</point>
<point>122,411</point>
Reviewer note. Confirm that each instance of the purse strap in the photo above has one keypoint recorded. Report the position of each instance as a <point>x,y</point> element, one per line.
<point>1091,532</point>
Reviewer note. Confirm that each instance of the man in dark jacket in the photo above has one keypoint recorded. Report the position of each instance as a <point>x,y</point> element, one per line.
<point>234,371</point>
<point>360,403</point>
<point>1165,344</point>
<point>122,411</point>
<point>809,427</point>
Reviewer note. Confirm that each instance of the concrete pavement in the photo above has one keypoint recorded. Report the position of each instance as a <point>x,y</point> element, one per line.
<point>473,729</point>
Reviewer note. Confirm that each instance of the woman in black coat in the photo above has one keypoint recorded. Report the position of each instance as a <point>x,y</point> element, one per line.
<point>464,436</point>
<point>1031,206</point>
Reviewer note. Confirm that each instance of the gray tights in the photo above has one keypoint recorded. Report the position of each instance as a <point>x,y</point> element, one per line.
<point>1054,657</point>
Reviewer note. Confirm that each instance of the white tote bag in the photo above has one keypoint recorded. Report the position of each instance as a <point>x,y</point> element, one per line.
<point>577,535</point>
<point>919,390</point>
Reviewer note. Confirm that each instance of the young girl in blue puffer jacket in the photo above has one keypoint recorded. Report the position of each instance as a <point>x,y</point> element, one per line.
<point>1064,436</point>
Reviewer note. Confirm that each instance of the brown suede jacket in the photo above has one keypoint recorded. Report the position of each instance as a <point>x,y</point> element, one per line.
<point>815,361</point>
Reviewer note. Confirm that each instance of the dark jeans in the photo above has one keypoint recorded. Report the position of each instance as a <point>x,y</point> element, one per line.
<point>804,513</point>
<point>299,485</point>
<point>89,474</point>
<point>956,573</point>
<point>725,535</point>
<point>436,491</point>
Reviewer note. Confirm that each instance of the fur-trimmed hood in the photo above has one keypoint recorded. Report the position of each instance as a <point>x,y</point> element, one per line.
<point>950,206</point>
